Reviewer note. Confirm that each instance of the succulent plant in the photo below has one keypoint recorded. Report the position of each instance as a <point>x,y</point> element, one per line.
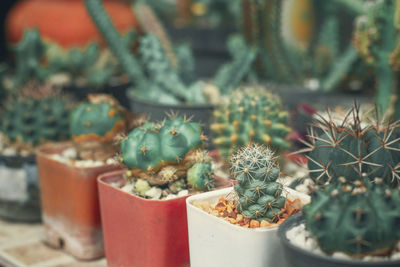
<point>33,115</point>
<point>356,217</point>
<point>96,123</point>
<point>165,153</point>
<point>256,171</point>
<point>354,147</point>
<point>250,114</point>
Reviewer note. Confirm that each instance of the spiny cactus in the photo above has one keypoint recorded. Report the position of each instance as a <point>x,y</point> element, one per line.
<point>256,172</point>
<point>354,147</point>
<point>250,114</point>
<point>33,115</point>
<point>97,122</point>
<point>163,153</point>
<point>377,40</point>
<point>356,217</point>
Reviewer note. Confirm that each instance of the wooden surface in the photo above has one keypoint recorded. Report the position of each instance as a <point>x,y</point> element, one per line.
<point>21,245</point>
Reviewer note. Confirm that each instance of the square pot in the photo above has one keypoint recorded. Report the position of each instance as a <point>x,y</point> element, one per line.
<point>215,242</point>
<point>142,232</point>
<point>70,205</point>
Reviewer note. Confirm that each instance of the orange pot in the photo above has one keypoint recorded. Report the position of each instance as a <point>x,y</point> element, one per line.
<point>70,206</point>
<point>65,22</point>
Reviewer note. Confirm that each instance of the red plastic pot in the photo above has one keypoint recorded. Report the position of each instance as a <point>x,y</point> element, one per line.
<point>142,232</point>
<point>70,206</point>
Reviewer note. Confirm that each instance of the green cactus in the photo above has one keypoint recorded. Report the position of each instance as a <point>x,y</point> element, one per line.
<point>256,172</point>
<point>200,176</point>
<point>377,40</point>
<point>356,217</point>
<point>250,114</point>
<point>99,119</point>
<point>353,147</point>
<point>168,154</point>
<point>35,114</point>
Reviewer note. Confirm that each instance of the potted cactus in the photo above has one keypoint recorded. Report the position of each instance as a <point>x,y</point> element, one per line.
<point>250,212</point>
<point>68,172</point>
<point>31,116</point>
<point>166,162</point>
<point>250,114</point>
<point>355,201</point>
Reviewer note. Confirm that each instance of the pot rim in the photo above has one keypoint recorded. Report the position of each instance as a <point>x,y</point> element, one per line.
<point>41,151</point>
<point>118,173</point>
<point>226,191</point>
<point>297,219</point>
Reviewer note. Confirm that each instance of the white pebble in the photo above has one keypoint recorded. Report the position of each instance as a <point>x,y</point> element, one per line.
<point>70,153</point>
<point>170,196</point>
<point>128,187</point>
<point>9,151</point>
<point>111,161</point>
<point>183,193</point>
<point>154,193</point>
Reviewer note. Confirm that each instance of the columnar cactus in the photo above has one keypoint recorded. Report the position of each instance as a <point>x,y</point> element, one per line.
<point>250,114</point>
<point>97,122</point>
<point>33,115</point>
<point>256,172</point>
<point>352,148</point>
<point>356,217</point>
<point>163,153</point>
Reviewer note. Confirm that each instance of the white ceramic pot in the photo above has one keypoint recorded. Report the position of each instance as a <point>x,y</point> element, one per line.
<point>214,242</point>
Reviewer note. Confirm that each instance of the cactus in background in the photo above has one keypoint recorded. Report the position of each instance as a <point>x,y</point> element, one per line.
<point>250,114</point>
<point>95,124</point>
<point>356,217</point>
<point>166,152</point>
<point>377,40</point>
<point>291,45</point>
<point>354,147</point>
<point>256,172</point>
<point>33,115</point>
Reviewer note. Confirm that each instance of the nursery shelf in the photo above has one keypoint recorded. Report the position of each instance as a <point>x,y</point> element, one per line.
<point>21,245</point>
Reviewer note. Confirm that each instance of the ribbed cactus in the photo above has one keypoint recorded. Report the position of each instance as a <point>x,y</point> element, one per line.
<point>163,153</point>
<point>352,148</point>
<point>97,122</point>
<point>377,40</point>
<point>256,172</point>
<point>250,114</point>
<point>35,114</point>
<point>356,217</point>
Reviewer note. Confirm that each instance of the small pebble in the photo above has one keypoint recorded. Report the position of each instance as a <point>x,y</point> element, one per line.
<point>9,151</point>
<point>128,187</point>
<point>70,153</point>
<point>183,193</point>
<point>154,193</point>
<point>170,196</point>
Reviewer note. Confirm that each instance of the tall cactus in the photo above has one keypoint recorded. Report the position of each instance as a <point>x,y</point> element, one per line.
<point>256,171</point>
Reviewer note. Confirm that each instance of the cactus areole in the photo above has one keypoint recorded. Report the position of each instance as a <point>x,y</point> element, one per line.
<point>99,119</point>
<point>256,172</point>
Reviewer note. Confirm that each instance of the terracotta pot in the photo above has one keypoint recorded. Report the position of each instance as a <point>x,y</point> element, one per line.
<point>70,207</point>
<point>142,232</point>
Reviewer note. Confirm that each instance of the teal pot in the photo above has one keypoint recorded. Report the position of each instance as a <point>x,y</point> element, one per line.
<point>19,189</point>
<point>299,257</point>
<point>157,112</point>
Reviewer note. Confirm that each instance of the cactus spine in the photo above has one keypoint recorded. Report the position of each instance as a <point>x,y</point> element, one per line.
<point>250,114</point>
<point>256,172</point>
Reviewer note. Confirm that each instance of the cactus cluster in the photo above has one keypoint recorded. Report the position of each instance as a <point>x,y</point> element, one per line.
<point>256,171</point>
<point>356,217</point>
<point>250,114</point>
<point>94,125</point>
<point>94,64</point>
<point>35,114</point>
<point>165,153</point>
<point>377,40</point>
<point>293,49</point>
<point>352,148</point>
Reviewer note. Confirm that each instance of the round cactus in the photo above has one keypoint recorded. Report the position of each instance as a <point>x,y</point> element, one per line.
<point>33,115</point>
<point>250,114</point>
<point>163,153</point>
<point>256,172</point>
<point>200,176</point>
<point>352,148</point>
<point>355,217</point>
<point>99,119</point>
